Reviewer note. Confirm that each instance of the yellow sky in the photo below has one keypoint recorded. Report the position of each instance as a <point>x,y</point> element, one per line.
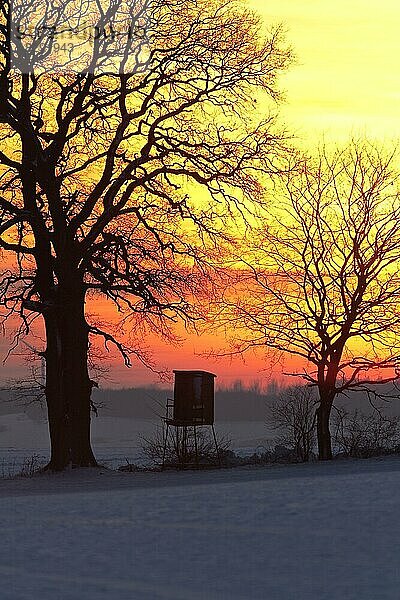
<point>347,77</point>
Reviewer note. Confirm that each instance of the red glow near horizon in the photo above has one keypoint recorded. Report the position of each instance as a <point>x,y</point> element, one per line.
<point>192,353</point>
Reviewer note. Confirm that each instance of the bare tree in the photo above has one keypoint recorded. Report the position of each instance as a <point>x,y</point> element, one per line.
<point>322,281</point>
<point>122,155</point>
<point>293,414</point>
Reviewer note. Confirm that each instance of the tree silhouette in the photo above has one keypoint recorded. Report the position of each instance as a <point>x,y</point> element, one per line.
<point>321,280</point>
<point>122,154</point>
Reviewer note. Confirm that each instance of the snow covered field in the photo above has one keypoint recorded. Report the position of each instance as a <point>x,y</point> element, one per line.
<point>115,440</point>
<point>306,532</point>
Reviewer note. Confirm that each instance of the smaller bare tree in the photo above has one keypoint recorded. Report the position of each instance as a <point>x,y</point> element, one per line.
<point>321,277</point>
<point>293,415</point>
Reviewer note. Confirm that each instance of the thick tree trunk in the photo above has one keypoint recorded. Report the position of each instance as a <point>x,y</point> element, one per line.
<point>323,431</point>
<point>68,386</point>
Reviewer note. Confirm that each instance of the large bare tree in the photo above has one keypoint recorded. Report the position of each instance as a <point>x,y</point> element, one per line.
<point>124,149</point>
<point>321,281</point>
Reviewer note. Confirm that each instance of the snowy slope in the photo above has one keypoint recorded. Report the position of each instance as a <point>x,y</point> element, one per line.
<point>306,532</point>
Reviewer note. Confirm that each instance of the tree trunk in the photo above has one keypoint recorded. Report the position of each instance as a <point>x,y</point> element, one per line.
<point>323,431</point>
<point>68,386</point>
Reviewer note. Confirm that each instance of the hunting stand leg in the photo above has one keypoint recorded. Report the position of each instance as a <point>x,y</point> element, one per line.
<point>195,445</point>
<point>165,446</point>
<point>216,446</point>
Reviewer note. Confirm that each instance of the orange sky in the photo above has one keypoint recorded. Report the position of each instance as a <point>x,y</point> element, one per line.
<point>346,82</point>
<point>193,353</point>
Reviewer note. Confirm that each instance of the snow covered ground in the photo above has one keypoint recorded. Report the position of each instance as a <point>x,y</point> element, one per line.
<point>304,532</point>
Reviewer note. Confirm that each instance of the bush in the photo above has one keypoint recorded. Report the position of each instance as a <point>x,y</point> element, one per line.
<point>180,449</point>
<point>362,435</point>
<point>292,415</point>
<point>29,466</point>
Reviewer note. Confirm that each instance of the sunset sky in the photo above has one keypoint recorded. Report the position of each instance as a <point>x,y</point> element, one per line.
<point>346,81</point>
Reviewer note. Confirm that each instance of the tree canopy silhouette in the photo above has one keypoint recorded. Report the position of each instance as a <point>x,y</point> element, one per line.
<point>122,153</point>
<point>321,279</point>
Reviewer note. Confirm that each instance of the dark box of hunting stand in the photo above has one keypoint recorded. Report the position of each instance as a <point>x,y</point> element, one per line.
<point>194,398</point>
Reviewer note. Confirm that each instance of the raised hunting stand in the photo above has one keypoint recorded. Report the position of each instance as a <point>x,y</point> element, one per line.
<point>192,407</point>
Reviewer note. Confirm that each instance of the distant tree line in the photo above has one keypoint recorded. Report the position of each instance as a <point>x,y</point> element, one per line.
<point>234,403</point>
